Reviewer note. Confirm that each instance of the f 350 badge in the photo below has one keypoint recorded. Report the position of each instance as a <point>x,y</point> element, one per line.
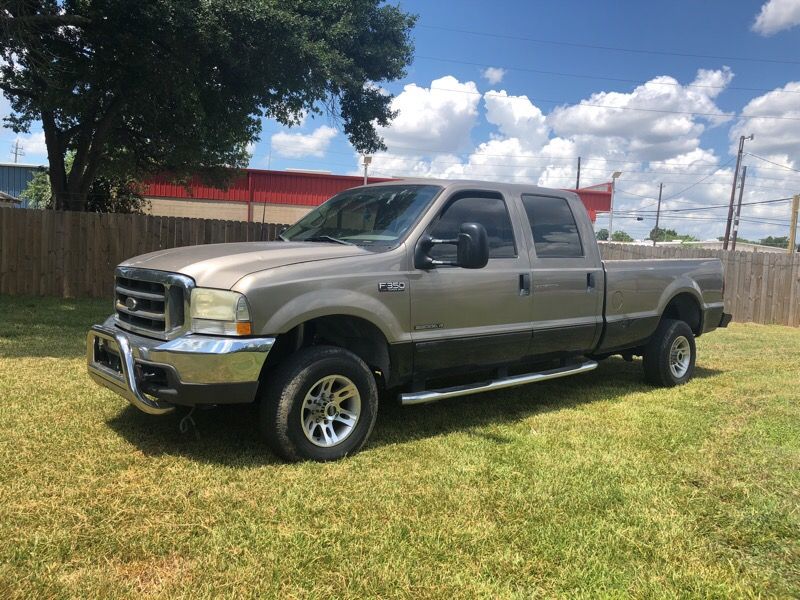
<point>392,286</point>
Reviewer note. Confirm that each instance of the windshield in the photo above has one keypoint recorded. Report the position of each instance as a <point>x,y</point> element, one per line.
<point>366,216</point>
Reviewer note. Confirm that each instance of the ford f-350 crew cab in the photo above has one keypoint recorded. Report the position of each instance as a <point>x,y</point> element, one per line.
<point>425,289</point>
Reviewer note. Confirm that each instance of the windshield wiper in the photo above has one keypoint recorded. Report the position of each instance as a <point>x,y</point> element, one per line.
<point>328,238</point>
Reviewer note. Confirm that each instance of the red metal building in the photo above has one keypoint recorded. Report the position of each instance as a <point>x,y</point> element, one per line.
<point>277,196</point>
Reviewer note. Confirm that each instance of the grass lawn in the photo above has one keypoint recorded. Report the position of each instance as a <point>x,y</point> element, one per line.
<point>596,485</point>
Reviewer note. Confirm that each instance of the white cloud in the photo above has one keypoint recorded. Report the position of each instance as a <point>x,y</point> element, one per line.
<point>524,145</point>
<point>651,135</point>
<point>775,138</point>
<point>297,145</point>
<point>438,118</point>
<point>493,75</point>
<point>516,116</point>
<point>777,15</point>
<point>33,147</point>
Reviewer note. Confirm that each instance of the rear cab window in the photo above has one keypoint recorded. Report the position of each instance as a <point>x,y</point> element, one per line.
<point>554,229</point>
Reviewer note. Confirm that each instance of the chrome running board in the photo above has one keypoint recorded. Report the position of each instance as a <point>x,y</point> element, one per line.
<point>498,384</point>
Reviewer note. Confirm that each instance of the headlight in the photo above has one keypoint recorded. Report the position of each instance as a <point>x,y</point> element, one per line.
<point>220,312</point>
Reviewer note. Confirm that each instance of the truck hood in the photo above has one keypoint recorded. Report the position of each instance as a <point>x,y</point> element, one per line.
<point>222,265</point>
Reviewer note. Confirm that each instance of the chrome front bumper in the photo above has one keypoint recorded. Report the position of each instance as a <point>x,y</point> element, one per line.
<point>154,375</point>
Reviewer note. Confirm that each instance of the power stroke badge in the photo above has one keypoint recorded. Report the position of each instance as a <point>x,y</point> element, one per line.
<point>392,286</point>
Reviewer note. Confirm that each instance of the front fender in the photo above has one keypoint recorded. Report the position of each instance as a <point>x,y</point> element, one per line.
<point>331,301</point>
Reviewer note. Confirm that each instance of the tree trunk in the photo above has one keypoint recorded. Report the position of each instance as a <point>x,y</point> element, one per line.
<point>88,156</point>
<point>55,157</point>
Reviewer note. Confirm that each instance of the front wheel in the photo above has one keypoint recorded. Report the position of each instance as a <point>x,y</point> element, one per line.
<point>669,356</point>
<point>321,405</point>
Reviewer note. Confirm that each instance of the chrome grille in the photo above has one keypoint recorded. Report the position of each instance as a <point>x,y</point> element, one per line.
<point>153,303</point>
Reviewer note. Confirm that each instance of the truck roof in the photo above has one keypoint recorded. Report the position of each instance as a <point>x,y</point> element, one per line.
<point>479,183</point>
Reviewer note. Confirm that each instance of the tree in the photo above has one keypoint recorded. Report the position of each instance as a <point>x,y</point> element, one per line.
<point>621,236</point>
<point>180,85</point>
<point>776,242</point>
<point>658,234</point>
<point>105,194</point>
<point>38,193</point>
<point>602,235</point>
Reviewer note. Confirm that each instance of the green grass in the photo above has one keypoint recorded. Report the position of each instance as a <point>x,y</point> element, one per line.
<point>592,486</point>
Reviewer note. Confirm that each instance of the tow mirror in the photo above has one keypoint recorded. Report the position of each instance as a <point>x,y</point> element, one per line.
<point>473,246</point>
<point>472,249</point>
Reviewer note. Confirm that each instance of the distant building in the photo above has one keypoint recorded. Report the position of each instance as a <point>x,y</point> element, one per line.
<point>14,178</point>
<point>8,201</point>
<point>704,245</point>
<point>280,196</point>
<point>743,246</point>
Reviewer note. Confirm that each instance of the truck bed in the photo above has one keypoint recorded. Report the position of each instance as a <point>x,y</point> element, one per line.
<point>637,292</point>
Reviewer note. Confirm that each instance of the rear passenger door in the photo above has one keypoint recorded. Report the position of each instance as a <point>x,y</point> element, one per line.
<point>464,318</point>
<point>566,278</point>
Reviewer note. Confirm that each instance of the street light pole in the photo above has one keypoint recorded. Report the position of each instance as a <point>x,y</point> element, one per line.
<point>742,140</point>
<point>367,161</point>
<point>614,176</point>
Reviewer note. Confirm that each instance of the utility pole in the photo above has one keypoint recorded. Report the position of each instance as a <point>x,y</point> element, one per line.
<point>742,140</point>
<point>16,150</point>
<point>738,209</point>
<point>367,161</point>
<point>578,180</point>
<point>793,232</point>
<point>658,211</point>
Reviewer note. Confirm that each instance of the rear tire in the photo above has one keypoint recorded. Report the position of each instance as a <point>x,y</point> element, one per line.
<point>669,356</point>
<point>320,405</point>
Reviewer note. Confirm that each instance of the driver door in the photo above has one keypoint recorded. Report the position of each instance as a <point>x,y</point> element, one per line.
<point>471,318</point>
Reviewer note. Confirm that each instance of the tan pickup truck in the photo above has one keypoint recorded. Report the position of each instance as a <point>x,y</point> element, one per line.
<point>421,290</point>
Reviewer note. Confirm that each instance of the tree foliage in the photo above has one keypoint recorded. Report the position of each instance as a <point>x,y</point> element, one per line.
<point>775,242</point>
<point>658,234</point>
<point>621,236</point>
<point>602,235</point>
<point>106,194</point>
<point>181,85</point>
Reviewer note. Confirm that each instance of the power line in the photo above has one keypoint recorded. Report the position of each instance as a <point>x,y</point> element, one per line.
<point>610,48</point>
<point>714,206</point>
<point>772,162</point>
<point>715,219</point>
<point>699,181</point>
<point>564,158</point>
<point>606,78</point>
<point>719,115</point>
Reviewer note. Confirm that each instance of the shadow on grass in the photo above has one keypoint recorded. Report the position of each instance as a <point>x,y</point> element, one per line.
<point>229,435</point>
<point>41,327</point>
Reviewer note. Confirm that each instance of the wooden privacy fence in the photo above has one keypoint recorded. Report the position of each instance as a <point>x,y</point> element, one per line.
<point>760,287</point>
<point>73,255</point>
<point>49,253</point>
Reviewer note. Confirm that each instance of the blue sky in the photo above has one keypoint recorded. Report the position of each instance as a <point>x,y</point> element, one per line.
<point>526,125</point>
<point>690,150</point>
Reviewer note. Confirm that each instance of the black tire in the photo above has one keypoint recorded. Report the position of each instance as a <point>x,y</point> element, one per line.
<point>658,369</point>
<point>285,391</point>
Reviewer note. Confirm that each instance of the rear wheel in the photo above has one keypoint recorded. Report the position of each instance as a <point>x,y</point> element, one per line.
<point>669,356</point>
<point>321,405</point>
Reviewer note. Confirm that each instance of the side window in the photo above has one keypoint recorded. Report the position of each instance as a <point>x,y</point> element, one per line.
<point>489,212</point>
<point>555,233</point>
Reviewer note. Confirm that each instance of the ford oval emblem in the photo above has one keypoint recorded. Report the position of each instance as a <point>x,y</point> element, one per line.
<point>130,303</point>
